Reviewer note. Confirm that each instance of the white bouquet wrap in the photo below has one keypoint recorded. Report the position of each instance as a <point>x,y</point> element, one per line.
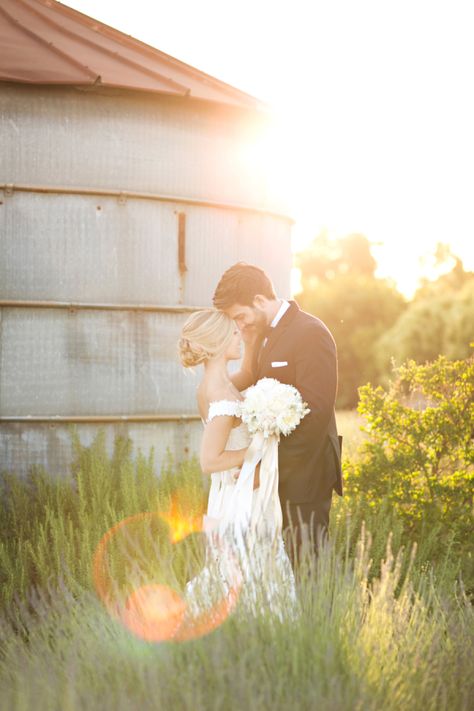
<point>272,408</point>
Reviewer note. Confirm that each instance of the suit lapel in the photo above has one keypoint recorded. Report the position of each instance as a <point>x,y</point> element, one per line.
<point>277,332</point>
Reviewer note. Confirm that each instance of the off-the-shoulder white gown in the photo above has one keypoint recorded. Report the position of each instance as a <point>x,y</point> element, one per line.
<point>267,576</point>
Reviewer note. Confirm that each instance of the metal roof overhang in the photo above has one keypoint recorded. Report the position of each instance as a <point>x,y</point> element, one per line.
<point>46,42</point>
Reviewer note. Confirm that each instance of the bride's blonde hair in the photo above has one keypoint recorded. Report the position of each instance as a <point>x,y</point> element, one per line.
<point>205,334</point>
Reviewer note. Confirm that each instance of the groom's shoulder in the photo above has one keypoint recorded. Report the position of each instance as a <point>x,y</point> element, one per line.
<point>309,321</point>
<point>310,328</point>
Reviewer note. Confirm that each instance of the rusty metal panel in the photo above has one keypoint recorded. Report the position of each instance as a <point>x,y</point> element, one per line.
<point>22,445</point>
<point>117,252</point>
<point>73,362</point>
<point>228,238</point>
<point>77,248</point>
<point>86,249</point>
<point>130,142</point>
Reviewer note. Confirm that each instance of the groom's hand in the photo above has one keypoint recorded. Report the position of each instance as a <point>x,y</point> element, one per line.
<point>251,336</point>
<point>252,340</point>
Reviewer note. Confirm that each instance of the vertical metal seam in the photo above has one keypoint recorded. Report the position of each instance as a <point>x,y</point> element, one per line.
<point>1,353</point>
<point>182,242</point>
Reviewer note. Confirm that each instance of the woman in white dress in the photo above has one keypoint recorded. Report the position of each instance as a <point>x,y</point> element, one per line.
<point>209,337</point>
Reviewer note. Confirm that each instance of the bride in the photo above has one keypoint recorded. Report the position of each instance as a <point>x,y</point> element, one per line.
<point>209,337</point>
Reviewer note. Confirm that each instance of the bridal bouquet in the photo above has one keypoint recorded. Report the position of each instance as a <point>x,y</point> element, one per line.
<point>272,408</point>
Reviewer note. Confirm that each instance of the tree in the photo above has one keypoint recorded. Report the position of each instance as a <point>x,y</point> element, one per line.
<point>439,324</point>
<point>325,260</point>
<point>448,283</point>
<point>340,288</point>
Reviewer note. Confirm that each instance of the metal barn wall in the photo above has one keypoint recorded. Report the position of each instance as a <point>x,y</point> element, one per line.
<point>119,213</point>
<point>132,141</point>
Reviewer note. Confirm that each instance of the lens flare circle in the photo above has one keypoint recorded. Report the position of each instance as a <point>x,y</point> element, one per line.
<point>155,612</point>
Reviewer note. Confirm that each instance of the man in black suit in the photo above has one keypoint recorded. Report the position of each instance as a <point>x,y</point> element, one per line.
<point>288,344</point>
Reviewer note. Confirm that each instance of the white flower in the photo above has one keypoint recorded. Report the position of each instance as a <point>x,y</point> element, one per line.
<point>273,408</point>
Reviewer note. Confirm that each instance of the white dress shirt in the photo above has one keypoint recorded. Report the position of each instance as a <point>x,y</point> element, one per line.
<point>283,308</point>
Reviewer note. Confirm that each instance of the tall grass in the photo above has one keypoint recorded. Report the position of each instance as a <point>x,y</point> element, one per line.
<point>383,624</point>
<point>356,645</point>
<point>51,527</point>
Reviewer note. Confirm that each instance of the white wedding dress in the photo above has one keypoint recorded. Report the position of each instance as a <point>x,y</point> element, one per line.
<point>243,534</point>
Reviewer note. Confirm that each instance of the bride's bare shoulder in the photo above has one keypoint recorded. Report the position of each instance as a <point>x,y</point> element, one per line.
<point>210,392</point>
<point>202,401</point>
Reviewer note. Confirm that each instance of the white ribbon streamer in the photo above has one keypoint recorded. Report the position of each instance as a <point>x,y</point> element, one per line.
<point>259,513</point>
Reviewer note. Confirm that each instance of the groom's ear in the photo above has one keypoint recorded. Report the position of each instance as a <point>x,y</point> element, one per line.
<point>259,301</point>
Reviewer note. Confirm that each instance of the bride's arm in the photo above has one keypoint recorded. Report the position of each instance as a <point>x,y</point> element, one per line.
<point>245,377</point>
<point>214,456</point>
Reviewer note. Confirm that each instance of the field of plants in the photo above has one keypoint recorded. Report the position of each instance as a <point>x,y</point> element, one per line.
<point>385,616</point>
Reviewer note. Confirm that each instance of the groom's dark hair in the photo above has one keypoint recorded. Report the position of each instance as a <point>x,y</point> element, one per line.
<point>240,284</point>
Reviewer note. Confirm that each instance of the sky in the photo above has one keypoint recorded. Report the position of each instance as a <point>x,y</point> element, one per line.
<point>373,110</point>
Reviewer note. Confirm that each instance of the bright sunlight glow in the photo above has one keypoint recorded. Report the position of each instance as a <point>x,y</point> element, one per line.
<point>373,113</point>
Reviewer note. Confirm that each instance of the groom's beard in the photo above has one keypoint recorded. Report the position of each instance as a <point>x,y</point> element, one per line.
<point>260,323</point>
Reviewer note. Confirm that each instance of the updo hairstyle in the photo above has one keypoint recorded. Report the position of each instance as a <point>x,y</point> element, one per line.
<point>205,334</point>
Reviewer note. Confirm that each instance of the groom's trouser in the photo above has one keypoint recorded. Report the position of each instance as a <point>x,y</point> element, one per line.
<point>305,525</point>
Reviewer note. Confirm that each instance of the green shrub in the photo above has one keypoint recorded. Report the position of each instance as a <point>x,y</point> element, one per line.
<point>418,458</point>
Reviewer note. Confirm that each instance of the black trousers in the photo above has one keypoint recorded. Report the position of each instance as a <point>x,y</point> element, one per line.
<point>305,525</point>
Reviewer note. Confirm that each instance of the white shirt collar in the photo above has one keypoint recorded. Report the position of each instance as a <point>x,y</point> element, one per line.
<point>283,309</point>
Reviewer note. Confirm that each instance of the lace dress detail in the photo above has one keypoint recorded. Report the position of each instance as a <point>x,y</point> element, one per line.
<point>223,407</point>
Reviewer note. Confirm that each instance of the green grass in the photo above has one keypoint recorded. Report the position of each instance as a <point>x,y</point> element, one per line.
<point>383,623</point>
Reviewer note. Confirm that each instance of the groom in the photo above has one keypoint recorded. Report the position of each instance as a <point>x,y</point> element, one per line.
<point>290,345</point>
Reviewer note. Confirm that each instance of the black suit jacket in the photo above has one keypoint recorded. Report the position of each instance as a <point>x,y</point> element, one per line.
<point>309,458</point>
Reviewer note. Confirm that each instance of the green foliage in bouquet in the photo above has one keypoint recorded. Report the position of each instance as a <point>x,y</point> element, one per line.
<point>418,456</point>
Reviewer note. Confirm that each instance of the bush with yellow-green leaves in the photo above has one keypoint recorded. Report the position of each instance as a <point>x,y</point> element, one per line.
<point>418,457</point>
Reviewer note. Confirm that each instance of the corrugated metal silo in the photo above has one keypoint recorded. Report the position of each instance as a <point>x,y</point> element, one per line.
<point>128,188</point>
